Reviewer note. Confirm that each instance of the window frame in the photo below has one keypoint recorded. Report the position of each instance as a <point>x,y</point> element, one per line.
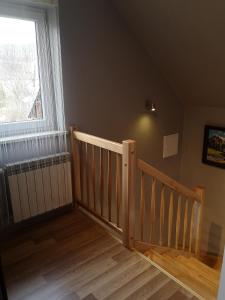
<point>49,120</point>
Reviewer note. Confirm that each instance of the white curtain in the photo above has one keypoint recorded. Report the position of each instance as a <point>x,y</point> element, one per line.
<point>42,3</point>
<point>32,121</point>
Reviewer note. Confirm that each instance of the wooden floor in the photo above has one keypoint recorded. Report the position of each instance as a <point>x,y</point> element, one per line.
<point>72,257</point>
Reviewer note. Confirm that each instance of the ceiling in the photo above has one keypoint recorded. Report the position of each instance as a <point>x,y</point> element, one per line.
<point>186,39</point>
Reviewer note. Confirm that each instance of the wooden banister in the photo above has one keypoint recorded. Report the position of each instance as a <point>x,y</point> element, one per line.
<point>97,181</point>
<point>93,171</point>
<point>101,180</point>
<point>192,211</point>
<point>162,214</point>
<point>118,189</point>
<point>100,189</point>
<point>99,142</point>
<point>178,222</point>
<point>87,173</point>
<point>169,182</point>
<point>201,192</point>
<point>170,218</point>
<point>142,205</point>
<point>153,208</point>
<point>128,191</point>
<point>185,225</point>
<point>75,161</point>
<point>191,227</point>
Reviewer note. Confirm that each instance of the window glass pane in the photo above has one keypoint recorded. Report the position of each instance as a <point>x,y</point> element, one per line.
<point>20,97</point>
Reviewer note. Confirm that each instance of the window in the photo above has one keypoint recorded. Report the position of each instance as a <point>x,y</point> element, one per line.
<point>30,95</point>
<point>20,93</point>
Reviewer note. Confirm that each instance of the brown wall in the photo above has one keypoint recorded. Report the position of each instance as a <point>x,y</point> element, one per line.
<point>186,40</point>
<point>107,77</point>
<point>194,172</point>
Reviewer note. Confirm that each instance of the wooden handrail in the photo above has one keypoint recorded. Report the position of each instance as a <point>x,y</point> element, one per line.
<point>104,166</point>
<point>88,154</point>
<point>99,142</point>
<point>167,181</point>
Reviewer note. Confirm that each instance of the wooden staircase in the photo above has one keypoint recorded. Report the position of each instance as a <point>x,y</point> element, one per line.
<point>170,232</point>
<point>192,273</point>
<point>151,212</point>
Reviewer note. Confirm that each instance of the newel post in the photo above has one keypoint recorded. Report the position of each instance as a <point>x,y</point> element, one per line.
<point>201,193</point>
<point>75,164</point>
<point>128,192</point>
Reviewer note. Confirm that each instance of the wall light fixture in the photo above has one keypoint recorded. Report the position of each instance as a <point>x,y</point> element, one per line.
<point>150,106</point>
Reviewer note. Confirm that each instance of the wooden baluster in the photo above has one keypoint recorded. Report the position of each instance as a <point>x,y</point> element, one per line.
<point>152,210</point>
<point>101,180</point>
<point>201,192</point>
<point>118,189</point>
<point>81,171</point>
<point>178,221</point>
<point>191,227</point>
<point>75,164</point>
<point>128,192</point>
<point>197,217</point>
<point>170,220</point>
<point>109,188</point>
<point>142,205</point>
<point>162,213</point>
<point>185,224</point>
<point>93,176</point>
<point>87,174</point>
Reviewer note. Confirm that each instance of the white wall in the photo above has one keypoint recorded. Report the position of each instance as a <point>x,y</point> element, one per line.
<point>194,172</point>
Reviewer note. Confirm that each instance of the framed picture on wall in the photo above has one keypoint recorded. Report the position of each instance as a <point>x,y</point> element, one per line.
<point>214,146</point>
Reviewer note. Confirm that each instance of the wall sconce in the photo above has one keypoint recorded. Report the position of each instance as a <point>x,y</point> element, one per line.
<point>150,106</point>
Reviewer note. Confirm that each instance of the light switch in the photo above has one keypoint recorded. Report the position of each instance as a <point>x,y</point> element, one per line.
<point>170,145</point>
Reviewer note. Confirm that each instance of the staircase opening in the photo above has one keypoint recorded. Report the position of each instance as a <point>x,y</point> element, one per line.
<point>152,213</point>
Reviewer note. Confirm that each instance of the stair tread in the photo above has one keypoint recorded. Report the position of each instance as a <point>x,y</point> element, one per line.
<point>204,267</point>
<point>176,252</point>
<point>198,281</point>
<point>196,272</point>
<point>173,252</point>
<point>181,268</point>
<point>197,264</point>
<point>213,261</point>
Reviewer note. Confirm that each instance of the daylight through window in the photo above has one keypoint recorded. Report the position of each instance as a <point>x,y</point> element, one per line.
<point>20,93</point>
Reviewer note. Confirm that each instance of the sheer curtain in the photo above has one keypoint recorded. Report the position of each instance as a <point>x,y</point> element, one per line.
<point>32,121</point>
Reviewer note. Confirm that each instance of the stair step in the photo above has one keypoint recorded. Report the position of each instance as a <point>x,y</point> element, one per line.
<point>205,268</point>
<point>197,281</point>
<point>143,247</point>
<point>213,261</point>
<point>195,272</point>
<point>179,267</point>
<point>175,253</point>
<point>207,277</point>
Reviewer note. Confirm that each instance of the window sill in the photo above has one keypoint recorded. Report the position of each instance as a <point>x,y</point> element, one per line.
<point>27,137</point>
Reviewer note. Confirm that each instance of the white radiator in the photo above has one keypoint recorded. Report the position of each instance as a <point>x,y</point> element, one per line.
<point>39,186</point>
